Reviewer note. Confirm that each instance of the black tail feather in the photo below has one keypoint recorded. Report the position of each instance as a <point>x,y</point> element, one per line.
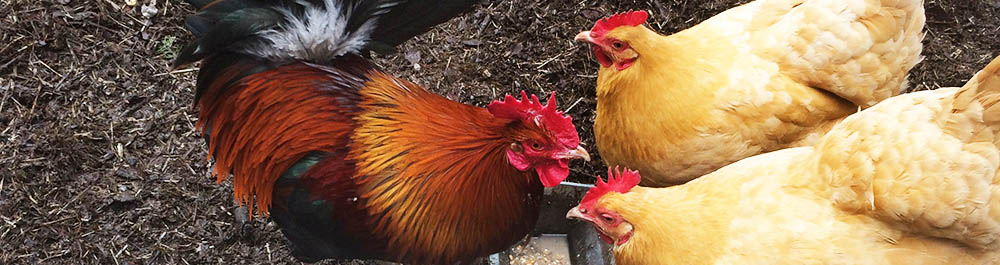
<point>221,23</point>
<point>365,10</point>
<point>199,4</point>
<point>198,25</point>
<point>415,17</point>
<point>206,17</point>
<point>231,28</point>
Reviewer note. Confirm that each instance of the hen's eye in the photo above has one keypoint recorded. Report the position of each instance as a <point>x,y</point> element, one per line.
<point>536,146</point>
<point>617,45</point>
<point>607,218</point>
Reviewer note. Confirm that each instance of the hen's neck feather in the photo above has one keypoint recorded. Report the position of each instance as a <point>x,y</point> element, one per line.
<point>672,84</point>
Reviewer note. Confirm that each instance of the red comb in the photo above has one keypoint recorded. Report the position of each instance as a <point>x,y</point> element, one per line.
<point>532,111</point>
<point>630,18</point>
<point>618,181</point>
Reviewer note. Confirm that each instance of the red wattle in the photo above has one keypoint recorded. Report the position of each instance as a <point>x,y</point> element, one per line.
<point>625,64</point>
<point>601,57</point>
<point>552,174</point>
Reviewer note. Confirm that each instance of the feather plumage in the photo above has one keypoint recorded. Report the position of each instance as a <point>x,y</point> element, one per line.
<point>911,180</point>
<point>759,77</point>
<point>352,162</point>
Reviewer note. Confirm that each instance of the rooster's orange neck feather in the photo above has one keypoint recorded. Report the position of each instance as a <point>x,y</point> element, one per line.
<point>434,173</point>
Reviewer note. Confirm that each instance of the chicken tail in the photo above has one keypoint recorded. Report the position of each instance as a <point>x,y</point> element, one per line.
<point>984,88</point>
<point>238,38</point>
<point>310,30</point>
<point>861,51</point>
<point>925,162</point>
<point>316,30</point>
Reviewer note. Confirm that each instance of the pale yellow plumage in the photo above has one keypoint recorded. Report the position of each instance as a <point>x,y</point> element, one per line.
<point>911,180</point>
<point>760,77</point>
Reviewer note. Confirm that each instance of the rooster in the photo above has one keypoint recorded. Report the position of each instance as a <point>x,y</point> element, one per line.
<point>352,162</point>
<point>911,180</point>
<point>763,76</point>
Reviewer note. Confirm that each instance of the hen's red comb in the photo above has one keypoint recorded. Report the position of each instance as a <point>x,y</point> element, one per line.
<point>630,18</point>
<point>618,181</point>
<point>532,111</point>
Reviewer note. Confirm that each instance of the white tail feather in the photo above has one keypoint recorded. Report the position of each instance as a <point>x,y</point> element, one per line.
<point>318,35</point>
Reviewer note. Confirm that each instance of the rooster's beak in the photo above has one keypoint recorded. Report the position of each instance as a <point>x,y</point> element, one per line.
<point>576,214</point>
<point>584,37</point>
<point>579,152</point>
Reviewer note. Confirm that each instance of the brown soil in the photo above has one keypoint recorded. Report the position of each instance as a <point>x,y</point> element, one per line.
<point>100,162</point>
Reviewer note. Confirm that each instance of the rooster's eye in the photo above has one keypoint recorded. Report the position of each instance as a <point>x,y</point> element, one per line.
<point>617,45</point>
<point>536,146</point>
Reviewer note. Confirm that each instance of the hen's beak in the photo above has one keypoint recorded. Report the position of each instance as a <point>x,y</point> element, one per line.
<point>584,37</point>
<point>575,214</point>
<point>579,152</point>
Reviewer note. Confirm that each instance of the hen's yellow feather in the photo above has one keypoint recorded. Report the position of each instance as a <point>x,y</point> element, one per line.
<point>759,77</point>
<point>911,180</point>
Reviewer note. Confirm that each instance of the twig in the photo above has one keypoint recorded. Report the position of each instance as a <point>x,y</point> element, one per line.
<point>3,101</point>
<point>181,71</point>
<point>571,50</point>
<point>573,105</point>
<point>8,63</point>
<point>56,221</point>
<point>113,256</point>
<point>574,184</point>
<point>268,247</point>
